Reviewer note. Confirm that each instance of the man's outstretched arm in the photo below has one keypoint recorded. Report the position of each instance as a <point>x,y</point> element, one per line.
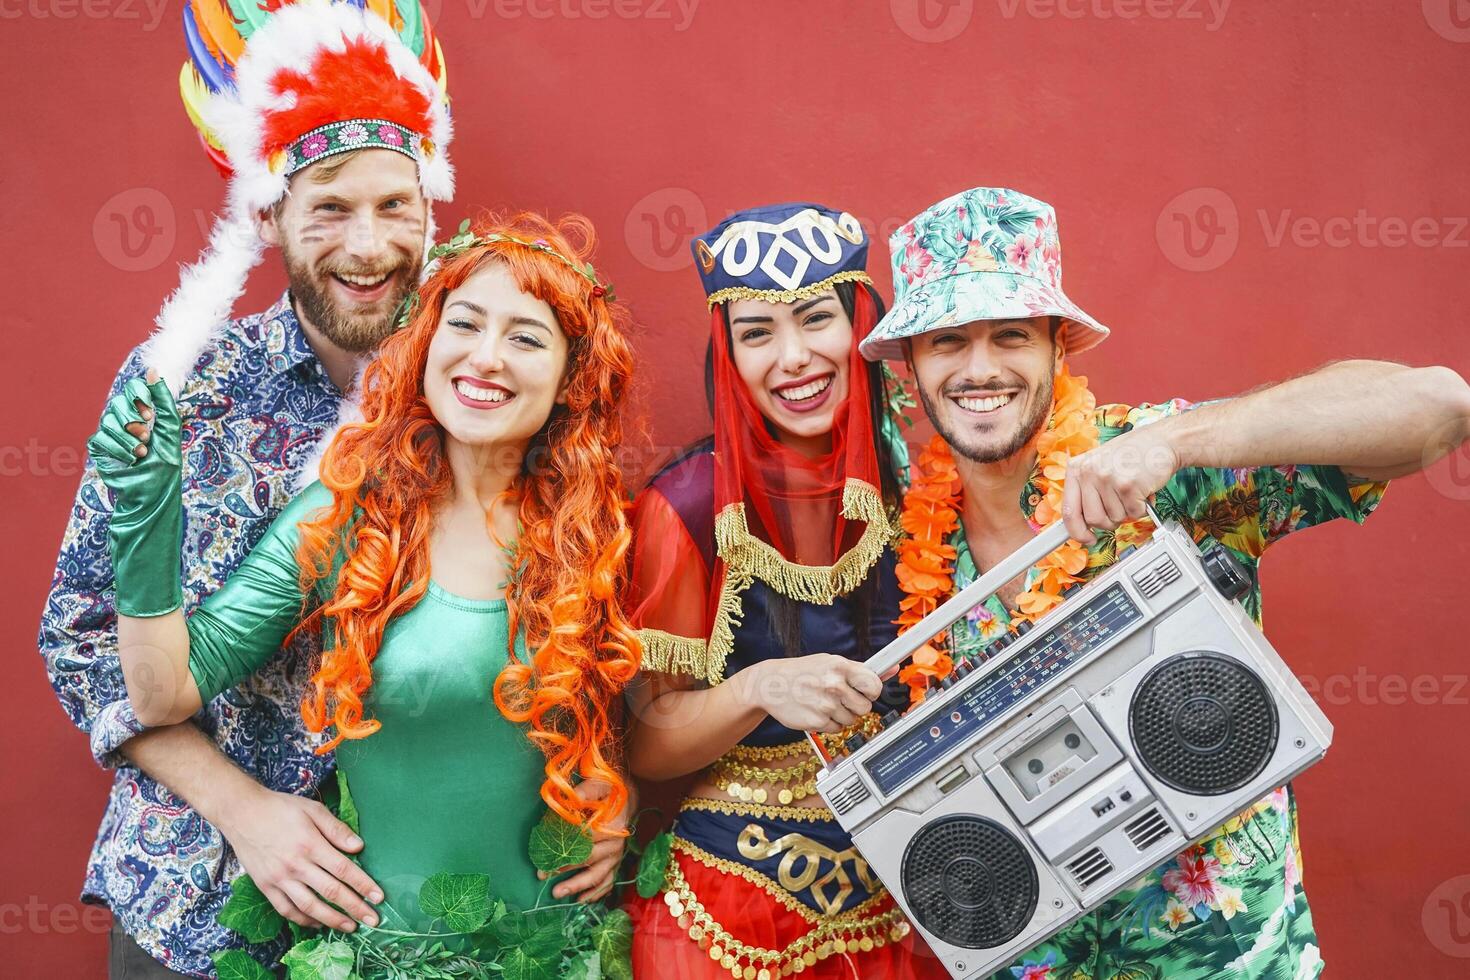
<point>1375,420</point>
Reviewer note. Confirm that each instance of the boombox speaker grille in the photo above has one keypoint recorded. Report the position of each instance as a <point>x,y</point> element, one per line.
<point>969,881</point>
<point>1203,723</point>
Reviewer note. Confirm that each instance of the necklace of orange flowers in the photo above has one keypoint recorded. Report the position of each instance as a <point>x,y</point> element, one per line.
<point>931,515</point>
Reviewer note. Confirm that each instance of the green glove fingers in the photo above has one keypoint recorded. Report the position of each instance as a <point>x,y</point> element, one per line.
<point>146,528</point>
<point>166,423</point>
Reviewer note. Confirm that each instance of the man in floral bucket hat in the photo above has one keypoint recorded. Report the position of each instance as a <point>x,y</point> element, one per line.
<point>981,318</point>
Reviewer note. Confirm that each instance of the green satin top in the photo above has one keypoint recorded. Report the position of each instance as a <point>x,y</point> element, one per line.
<point>447,783</point>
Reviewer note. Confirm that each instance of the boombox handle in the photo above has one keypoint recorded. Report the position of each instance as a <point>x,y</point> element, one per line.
<point>886,661</point>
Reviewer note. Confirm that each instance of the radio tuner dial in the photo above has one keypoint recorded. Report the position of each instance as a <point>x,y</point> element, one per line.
<point>1226,573</point>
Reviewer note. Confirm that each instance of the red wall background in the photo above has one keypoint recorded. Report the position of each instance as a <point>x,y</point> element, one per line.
<point>1314,153</point>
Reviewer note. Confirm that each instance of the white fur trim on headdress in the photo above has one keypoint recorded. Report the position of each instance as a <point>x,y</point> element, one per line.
<point>202,303</point>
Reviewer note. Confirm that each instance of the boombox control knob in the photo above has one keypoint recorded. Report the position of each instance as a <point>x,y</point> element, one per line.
<point>1024,627</point>
<point>1227,573</point>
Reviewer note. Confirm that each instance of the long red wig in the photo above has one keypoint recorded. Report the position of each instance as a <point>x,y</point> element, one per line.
<point>387,473</point>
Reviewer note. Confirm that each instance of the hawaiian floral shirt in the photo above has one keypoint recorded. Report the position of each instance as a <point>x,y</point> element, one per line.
<point>1232,905</point>
<point>254,410</point>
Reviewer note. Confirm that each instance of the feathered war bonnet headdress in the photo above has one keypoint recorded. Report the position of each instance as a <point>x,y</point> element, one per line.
<point>274,87</point>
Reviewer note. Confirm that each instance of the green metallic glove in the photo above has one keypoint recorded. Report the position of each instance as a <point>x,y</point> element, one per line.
<point>146,530</point>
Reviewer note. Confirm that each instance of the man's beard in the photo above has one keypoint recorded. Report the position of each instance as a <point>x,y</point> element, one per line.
<point>979,453</point>
<point>350,330</point>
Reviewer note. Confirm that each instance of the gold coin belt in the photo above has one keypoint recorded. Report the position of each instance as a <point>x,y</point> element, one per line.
<point>848,933</point>
<point>742,782</point>
<point>735,775</point>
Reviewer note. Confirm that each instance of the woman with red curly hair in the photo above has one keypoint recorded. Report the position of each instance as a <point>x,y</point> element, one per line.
<point>462,556</point>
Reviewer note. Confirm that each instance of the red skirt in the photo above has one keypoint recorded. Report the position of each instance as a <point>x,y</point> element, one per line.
<point>711,924</point>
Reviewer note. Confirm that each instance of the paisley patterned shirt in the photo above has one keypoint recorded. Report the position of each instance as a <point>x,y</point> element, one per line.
<point>1232,905</point>
<point>253,412</point>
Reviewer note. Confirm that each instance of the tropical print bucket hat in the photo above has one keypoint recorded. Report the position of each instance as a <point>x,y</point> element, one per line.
<point>984,254</point>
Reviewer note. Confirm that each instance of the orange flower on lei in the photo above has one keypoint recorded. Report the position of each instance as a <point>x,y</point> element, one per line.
<point>931,515</point>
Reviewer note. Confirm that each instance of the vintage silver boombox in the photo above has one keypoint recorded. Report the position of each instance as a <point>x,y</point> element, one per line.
<point>1135,717</point>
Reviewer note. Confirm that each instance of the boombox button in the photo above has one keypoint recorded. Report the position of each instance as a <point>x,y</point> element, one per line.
<point>1125,795</point>
<point>956,717</point>
<point>856,741</point>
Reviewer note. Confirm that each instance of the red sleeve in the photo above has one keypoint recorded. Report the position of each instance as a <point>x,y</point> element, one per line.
<point>669,600</point>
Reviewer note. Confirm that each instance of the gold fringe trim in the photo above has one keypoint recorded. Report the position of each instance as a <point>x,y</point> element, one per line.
<point>770,811</point>
<point>854,931</point>
<point>668,653</point>
<point>748,558</point>
<point>787,295</point>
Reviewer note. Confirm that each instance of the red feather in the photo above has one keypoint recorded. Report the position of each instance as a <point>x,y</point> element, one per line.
<point>358,83</point>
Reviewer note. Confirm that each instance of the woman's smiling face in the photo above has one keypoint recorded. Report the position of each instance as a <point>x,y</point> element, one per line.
<point>793,358</point>
<point>497,363</point>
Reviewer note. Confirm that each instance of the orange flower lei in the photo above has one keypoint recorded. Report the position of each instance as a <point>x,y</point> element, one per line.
<point>931,515</point>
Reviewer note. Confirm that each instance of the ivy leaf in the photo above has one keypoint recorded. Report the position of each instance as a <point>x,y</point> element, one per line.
<point>320,959</point>
<point>346,809</point>
<point>557,843</point>
<point>462,901</point>
<point>654,865</point>
<point>236,964</point>
<point>539,935</point>
<point>532,946</point>
<point>518,964</point>
<point>249,913</point>
<point>299,933</point>
<point>613,940</point>
<point>586,966</point>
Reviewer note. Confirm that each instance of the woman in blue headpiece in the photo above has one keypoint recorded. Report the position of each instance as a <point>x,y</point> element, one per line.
<point>762,579</point>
